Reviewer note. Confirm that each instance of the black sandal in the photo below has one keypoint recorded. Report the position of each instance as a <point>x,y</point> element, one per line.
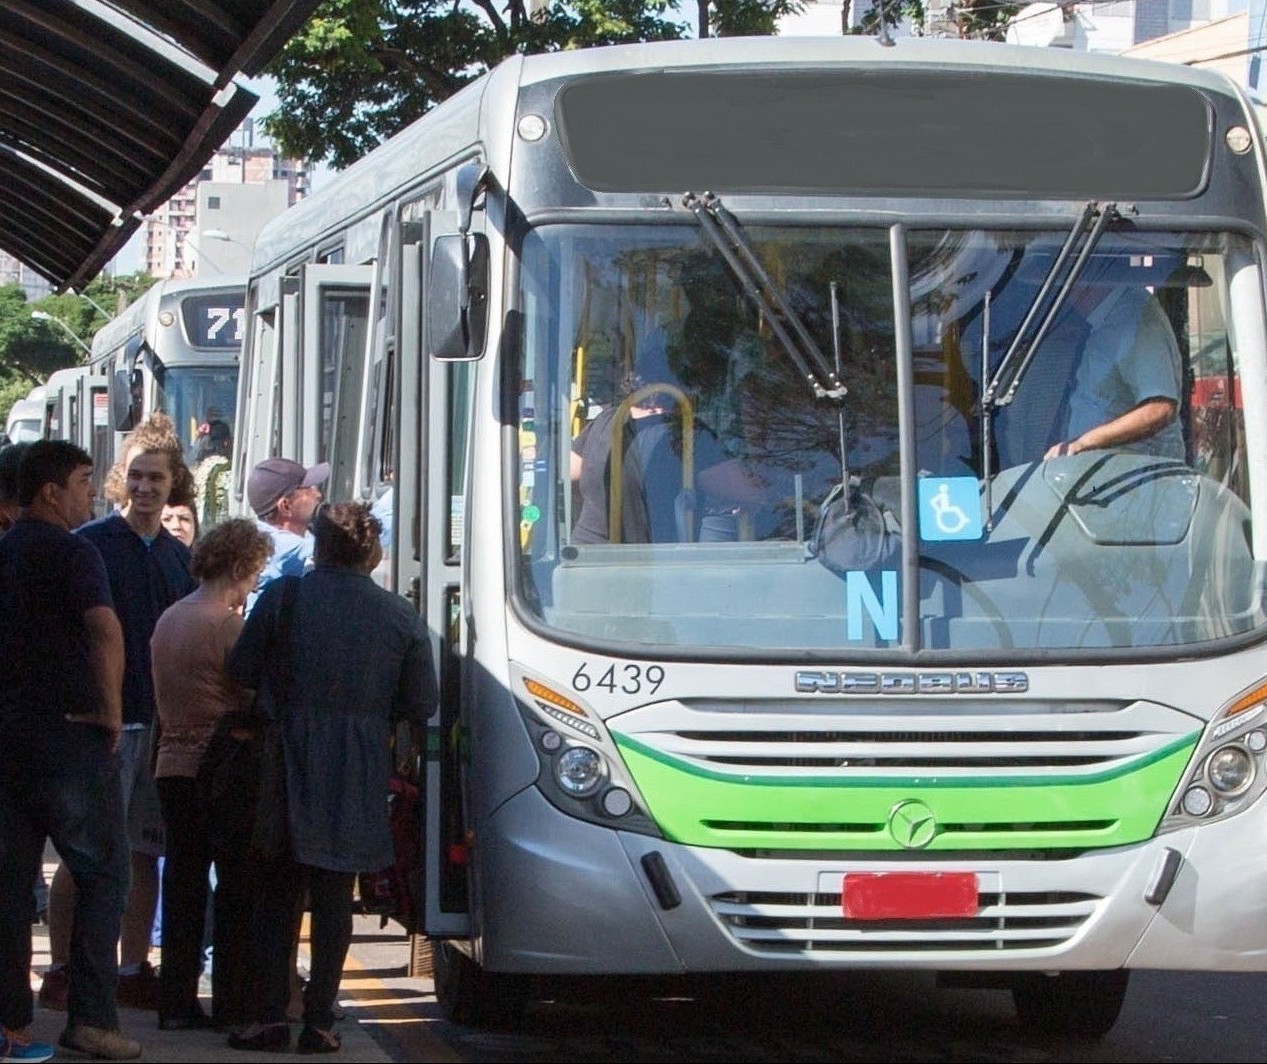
<point>315,1040</point>
<point>262,1038</point>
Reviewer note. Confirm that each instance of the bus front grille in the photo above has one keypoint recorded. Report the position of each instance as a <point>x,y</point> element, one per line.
<point>899,738</point>
<point>781,923</point>
<point>993,778</point>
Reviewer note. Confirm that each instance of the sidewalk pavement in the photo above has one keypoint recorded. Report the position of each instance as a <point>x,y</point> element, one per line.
<point>176,1046</point>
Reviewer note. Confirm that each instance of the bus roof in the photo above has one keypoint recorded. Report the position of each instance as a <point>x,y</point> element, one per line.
<point>60,377</point>
<point>386,171</point>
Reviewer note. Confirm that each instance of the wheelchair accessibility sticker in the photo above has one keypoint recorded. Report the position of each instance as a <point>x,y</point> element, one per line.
<point>949,508</point>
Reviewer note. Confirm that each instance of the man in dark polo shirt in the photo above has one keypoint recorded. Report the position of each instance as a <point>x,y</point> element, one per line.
<point>61,672</point>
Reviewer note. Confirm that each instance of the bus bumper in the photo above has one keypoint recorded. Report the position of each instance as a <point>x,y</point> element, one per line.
<point>563,896</point>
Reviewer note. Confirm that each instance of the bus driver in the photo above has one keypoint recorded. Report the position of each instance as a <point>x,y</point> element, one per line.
<point>1127,386</point>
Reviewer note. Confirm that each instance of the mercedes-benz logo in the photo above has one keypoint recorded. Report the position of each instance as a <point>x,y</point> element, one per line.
<point>912,824</point>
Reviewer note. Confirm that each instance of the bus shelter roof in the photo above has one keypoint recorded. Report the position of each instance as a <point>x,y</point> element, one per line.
<point>109,107</point>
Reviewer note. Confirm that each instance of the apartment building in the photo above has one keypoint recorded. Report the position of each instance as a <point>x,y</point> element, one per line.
<point>209,226</point>
<point>14,271</point>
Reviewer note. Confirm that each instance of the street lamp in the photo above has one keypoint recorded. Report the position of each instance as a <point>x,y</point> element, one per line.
<point>84,295</point>
<point>40,315</point>
<point>191,237</point>
<point>224,238</point>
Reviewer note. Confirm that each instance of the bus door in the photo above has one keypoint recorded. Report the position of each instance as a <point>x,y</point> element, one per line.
<point>131,389</point>
<point>433,427</point>
<point>373,474</point>
<point>287,400</point>
<point>258,421</point>
<point>71,425</point>
<point>335,314</point>
<point>96,432</point>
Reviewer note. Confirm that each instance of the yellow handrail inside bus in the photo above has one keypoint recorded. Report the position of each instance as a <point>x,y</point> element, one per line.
<point>686,413</point>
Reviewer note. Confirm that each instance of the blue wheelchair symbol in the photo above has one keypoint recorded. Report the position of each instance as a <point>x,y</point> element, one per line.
<point>949,508</point>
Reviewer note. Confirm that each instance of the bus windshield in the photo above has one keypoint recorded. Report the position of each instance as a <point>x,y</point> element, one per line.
<point>201,401</point>
<point>678,485</point>
<point>25,430</point>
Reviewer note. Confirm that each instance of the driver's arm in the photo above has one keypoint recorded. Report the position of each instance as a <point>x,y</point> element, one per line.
<point>1138,423</point>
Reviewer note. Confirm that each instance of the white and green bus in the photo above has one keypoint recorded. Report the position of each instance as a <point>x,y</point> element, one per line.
<point>914,615</point>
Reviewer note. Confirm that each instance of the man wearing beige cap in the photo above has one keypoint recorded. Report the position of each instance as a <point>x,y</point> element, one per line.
<point>284,496</point>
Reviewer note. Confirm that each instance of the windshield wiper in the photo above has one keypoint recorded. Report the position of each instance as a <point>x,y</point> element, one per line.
<point>1011,369</point>
<point>724,233</point>
<point>1001,390</point>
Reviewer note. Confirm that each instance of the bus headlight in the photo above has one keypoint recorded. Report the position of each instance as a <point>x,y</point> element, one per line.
<point>1197,801</point>
<point>579,771</point>
<point>1230,770</point>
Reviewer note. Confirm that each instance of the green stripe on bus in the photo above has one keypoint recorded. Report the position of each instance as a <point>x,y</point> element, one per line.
<point>847,810</point>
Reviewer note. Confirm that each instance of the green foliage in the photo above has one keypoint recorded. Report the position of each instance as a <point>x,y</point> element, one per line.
<point>11,390</point>
<point>362,70</point>
<point>984,20</point>
<point>116,293</point>
<point>745,18</point>
<point>890,13</point>
<point>31,349</point>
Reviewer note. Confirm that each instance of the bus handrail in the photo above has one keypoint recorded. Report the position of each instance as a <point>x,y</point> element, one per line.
<point>686,413</point>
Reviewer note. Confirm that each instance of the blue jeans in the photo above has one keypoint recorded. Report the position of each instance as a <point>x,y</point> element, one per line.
<point>80,808</point>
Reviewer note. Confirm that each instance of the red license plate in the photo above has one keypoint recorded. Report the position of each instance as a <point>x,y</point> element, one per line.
<point>909,895</point>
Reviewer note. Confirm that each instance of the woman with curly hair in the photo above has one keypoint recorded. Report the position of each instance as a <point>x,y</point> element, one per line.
<point>358,661</point>
<point>193,691</point>
<point>156,435</point>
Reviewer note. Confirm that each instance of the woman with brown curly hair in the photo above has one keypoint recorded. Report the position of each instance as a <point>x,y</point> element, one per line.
<point>359,661</point>
<point>193,691</point>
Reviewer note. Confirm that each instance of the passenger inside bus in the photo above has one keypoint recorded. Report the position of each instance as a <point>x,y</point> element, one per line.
<point>656,491</point>
<point>212,456</point>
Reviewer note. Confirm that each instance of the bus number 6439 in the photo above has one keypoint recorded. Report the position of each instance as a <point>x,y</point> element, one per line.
<point>629,678</point>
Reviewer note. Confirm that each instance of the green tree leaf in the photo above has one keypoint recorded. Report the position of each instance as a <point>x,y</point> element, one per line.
<point>362,70</point>
<point>31,349</point>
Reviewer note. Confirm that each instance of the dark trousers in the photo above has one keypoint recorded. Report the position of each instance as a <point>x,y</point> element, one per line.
<point>80,808</point>
<point>186,868</point>
<point>235,981</point>
<point>330,935</point>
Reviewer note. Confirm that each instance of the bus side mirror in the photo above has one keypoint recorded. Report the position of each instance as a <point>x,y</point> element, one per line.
<point>121,399</point>
<point>457,298</point>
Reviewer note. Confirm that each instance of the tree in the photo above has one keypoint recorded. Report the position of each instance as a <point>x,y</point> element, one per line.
<point>362,70</point>
<point>84,313</point>
<point>986,20</point>
<point>31,349</point>
<point>118,291</point>
<point>743,18</point>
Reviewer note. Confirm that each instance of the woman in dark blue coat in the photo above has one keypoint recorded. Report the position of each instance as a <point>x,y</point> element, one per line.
<point>357,661</point>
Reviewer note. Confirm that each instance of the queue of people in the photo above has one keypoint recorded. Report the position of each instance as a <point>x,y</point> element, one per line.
<point>127,639</point>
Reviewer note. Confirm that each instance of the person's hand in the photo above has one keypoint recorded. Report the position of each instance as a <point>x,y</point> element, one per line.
<point>104,720</point>
<point>1064,447</point>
